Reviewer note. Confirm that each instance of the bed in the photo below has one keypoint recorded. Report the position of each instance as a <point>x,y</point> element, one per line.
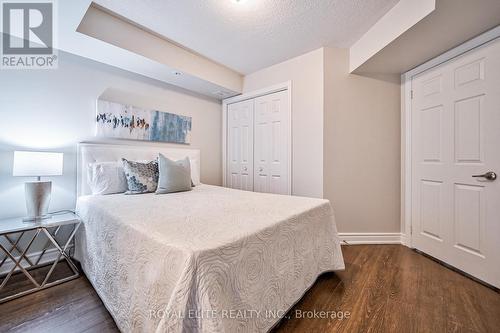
<point>209,260</point>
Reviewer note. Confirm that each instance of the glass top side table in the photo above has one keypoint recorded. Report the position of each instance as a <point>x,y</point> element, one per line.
<point>56,238</point>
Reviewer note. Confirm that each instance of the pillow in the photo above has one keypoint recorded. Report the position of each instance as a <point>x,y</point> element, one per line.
<point>195,171</point>
<point>106,178</point>
<point>175,176</point>
<point>142,177</point>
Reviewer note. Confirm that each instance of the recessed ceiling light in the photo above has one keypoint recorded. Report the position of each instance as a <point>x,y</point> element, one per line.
<point>238,1</point>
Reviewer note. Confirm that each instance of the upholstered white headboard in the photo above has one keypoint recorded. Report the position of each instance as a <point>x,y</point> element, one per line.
<point>97,152</point>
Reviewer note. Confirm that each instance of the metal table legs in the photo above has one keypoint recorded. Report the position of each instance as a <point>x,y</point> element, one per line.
<point>17,260</point>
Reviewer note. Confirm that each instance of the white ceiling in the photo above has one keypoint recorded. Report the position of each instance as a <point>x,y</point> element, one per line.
<point>254,34</point>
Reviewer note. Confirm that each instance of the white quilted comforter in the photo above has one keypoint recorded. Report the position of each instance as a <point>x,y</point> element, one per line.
<point>209,260</point>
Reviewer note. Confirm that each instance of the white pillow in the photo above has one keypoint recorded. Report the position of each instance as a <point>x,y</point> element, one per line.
<point>195,172</point>
<point>106,178</point>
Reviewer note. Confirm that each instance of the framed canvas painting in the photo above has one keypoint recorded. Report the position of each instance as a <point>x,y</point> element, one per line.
<point>115,120</point>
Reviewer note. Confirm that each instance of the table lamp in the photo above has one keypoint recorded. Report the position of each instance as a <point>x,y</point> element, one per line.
<point>37,194</point>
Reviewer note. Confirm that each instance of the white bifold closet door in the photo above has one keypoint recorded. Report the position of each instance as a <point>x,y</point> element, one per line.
<point>240,145</point>
<point>258,144</point>
<point>271,143</point>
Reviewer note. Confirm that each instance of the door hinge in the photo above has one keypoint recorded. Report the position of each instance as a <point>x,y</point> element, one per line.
<point>411,94</point>
<point>411,230</point>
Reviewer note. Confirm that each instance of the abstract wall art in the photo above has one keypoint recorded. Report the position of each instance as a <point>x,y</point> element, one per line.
<point>115,120</point>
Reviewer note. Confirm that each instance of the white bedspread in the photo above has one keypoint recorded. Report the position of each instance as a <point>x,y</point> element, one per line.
<point>209,260</point>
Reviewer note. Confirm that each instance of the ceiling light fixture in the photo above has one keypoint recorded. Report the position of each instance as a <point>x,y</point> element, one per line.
<point>239,1</point>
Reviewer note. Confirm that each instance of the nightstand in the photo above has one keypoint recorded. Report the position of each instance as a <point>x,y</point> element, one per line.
<point>51,241</point>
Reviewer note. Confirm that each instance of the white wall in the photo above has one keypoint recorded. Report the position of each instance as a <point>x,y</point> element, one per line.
<point>54,110</point>
<point>306,74</point>
<point>361,147</point>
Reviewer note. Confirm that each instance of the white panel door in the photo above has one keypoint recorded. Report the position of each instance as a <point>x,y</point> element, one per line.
<point>271,143</point>
<point>455,137</point>
<point>240,152</point>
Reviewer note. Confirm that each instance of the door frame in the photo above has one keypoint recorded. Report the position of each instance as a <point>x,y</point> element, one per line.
<point>284,86</point>
<point>406,135</point>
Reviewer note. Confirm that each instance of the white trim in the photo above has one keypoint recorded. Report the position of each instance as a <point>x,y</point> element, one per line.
<point>49,257</point>
<point>405,240</point>
<point>285,86</point>
<point>257,93</point>
<point>406,161</point>
<point>371,238</point>
<point>406,144</point>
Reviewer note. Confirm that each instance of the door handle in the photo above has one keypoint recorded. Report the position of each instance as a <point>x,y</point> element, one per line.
<point>245,169</point>
<point>261,169</point>
<point>490,175</point>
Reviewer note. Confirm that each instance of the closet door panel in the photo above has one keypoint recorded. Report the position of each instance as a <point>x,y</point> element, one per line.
<point>234,134</point>
<point>271,143</point>
<point>240,145</point>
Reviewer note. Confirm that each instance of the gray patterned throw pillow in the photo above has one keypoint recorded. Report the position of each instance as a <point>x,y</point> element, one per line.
<point>142,177</point>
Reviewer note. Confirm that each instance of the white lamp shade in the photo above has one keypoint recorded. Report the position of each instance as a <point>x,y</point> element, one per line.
<point>37,164</point>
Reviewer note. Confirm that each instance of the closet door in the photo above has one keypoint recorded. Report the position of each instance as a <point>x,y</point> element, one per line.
<point>271,143</point>
<point>240,121</point>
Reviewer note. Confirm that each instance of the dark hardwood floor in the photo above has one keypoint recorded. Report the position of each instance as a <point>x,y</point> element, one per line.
<point>385,288</point>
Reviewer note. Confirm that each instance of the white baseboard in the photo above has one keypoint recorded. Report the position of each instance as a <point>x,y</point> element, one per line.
<point>405,240</point>
<point>49,256</point>
<point>371,238</point>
